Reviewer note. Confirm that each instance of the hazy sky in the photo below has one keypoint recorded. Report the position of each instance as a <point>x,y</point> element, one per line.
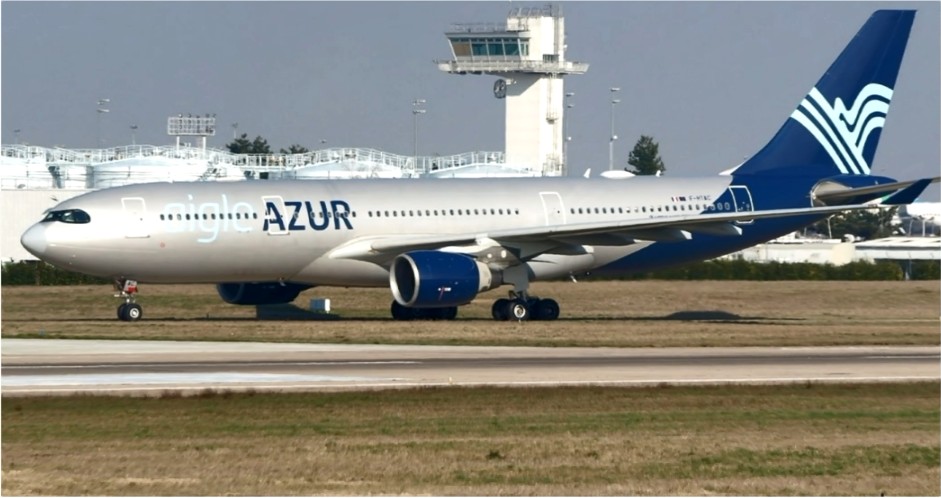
<point>710,81</point>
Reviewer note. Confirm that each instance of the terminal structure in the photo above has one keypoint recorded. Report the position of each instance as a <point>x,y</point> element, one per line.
<point>527,54</point>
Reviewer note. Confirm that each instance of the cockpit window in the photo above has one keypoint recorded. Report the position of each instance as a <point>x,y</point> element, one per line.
<point>68,216</point>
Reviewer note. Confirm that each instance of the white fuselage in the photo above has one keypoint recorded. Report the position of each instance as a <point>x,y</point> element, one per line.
<point>296,230</point>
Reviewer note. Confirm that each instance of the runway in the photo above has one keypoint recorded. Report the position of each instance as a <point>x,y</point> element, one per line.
<point>37,366</point>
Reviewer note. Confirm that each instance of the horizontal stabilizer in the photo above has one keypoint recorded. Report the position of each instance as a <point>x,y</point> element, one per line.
<point>837,196</point>
<point>908,194</point>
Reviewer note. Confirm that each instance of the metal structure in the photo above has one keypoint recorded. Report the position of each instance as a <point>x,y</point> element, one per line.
<point>32,167</point>
<point>528,55</point>
<point>192,126</point>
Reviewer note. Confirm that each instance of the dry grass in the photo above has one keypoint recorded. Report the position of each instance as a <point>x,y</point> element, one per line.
<point>639,313</point>
<point>814,439</point>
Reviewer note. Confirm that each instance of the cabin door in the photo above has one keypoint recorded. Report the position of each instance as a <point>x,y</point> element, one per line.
<point>553,208</point>
<point>135,214</point>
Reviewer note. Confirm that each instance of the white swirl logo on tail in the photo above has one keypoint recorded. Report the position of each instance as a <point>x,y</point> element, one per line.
<point>843,132</point>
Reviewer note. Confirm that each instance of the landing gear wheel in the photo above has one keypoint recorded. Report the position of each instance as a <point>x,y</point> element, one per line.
<point>546,309</point>
<point>518,310</point>
<point>130,312</point>
<point>133,311</point>
<point>499,310</point>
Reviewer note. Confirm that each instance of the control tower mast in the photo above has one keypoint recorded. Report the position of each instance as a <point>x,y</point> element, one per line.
<point>528,55</point>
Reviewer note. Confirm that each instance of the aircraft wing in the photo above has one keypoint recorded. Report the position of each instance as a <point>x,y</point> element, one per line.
<point>542,239</point>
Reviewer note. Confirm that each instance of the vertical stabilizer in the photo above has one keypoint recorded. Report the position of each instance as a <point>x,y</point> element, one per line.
<point>836,128</point>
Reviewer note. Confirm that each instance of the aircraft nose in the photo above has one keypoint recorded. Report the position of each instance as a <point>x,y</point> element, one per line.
<point>34,240</point>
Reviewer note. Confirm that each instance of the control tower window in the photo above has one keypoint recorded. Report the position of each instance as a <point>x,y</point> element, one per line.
<point>461,48</point>
<point>490,47</point>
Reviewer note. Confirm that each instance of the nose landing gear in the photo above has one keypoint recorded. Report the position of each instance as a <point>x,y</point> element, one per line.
<point>128,311</point>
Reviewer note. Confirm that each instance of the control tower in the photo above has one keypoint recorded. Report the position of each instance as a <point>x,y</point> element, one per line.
<point>528,56</point>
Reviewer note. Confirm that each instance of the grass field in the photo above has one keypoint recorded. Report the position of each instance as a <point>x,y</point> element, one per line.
<point>804,439</point>
<point>784,440</point>
<point>638,313</point>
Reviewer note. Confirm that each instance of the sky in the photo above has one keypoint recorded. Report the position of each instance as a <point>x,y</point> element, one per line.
<point>710,81</point>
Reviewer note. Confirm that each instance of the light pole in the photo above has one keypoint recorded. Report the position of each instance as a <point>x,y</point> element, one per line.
<point>235,130</point>
<point>16,134</point>
<point>133,134</point>
<point>565,130</point>
<point>415,112</point>
<point>614,137</point>
<point>101,110</point>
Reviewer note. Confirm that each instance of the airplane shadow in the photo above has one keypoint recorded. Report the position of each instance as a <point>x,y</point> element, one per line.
<point>292,313</point>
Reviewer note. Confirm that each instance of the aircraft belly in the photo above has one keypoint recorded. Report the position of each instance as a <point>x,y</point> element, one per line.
<point>236,258</point>
<point>343,272</point>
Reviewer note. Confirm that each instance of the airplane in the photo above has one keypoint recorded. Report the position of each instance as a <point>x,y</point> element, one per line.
<point>438,243</point>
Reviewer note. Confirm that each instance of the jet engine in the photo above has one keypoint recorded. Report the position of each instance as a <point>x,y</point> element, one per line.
<point>259,292</point>
<point>435,279</point>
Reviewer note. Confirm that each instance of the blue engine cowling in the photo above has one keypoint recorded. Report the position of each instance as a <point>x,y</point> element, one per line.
<point>259,292</point>
<point>435,279</point>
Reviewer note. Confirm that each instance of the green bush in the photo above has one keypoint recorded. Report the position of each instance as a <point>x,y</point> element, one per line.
<point>739,269</point>
<point>39,273</point>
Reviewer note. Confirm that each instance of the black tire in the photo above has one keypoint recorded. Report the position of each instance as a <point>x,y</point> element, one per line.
<point>546,309</point>
<point>122,310</point>
<point>499,310</point>
<point>518,310</point>
<point>133,312</point>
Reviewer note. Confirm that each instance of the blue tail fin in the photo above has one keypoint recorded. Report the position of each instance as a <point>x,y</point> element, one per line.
<point>836,128</point>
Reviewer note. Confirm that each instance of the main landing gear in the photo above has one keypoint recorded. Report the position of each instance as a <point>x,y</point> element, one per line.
<point>521,306</point>
<point>129,311</point>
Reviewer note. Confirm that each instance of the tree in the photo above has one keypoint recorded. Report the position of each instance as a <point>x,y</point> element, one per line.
<point>645,158</point>
<point>868,224</point>
<point>242,145</point>
<point>260,146</point>
<point>295,149</point>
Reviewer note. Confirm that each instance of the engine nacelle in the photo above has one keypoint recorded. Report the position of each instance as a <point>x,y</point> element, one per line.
<point>259,292</point>
<point>435,279</point>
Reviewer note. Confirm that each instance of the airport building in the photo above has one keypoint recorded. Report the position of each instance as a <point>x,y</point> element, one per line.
<point>527,53</point>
